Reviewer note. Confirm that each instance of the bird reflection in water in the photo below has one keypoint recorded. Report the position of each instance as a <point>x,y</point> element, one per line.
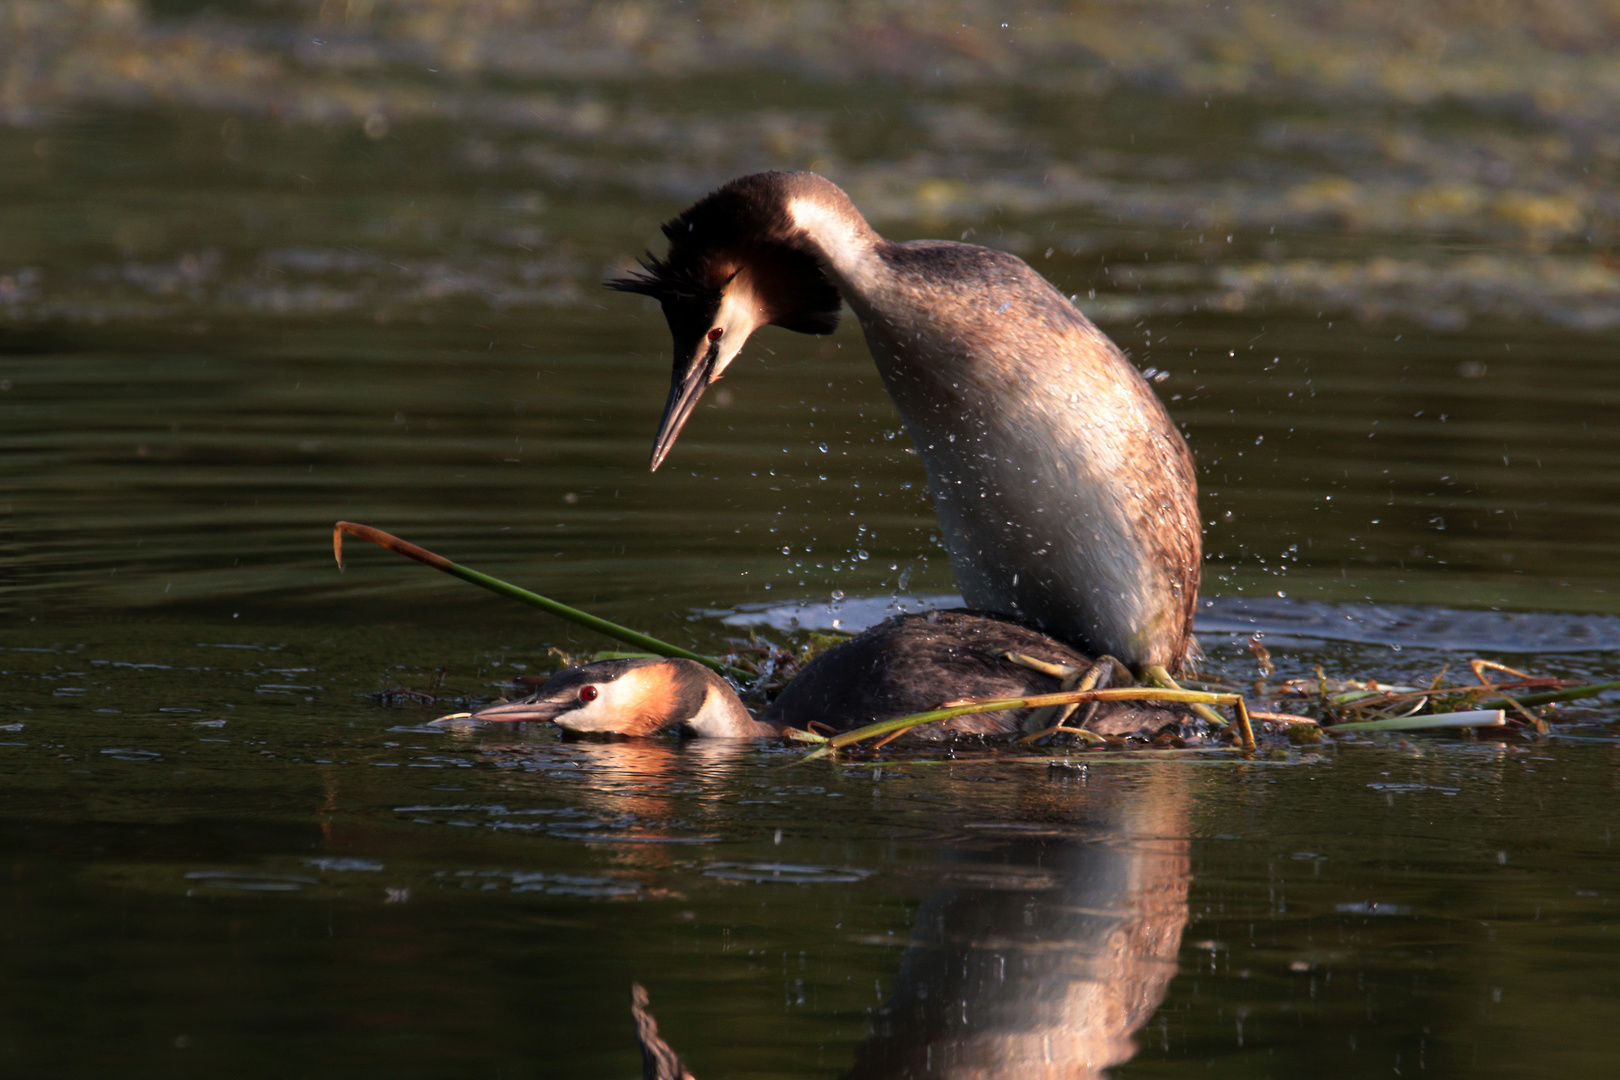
<point>645,799</point>
<point>1049,943</point>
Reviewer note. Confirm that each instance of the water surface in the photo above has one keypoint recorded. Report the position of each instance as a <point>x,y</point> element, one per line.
<point>263,267</point>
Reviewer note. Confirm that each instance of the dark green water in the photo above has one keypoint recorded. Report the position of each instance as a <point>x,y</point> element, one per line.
<point>239,302</point>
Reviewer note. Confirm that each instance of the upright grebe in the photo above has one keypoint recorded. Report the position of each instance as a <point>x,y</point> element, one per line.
<point>907,664</point>
<point>1065,494</point>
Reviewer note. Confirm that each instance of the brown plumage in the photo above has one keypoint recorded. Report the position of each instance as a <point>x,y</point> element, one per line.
<point>659,1061</point>
<point>904,665</point>
<point>913,663</point>
<point>1066,495</point>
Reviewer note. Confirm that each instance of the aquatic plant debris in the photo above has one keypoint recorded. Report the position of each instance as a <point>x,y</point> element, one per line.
<point>1346,707</point>
<point>1343,707</point>
<point>1065,697</point>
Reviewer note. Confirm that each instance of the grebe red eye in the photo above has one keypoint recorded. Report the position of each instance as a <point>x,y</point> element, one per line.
<point>587,693</point>
<point>714,335</point>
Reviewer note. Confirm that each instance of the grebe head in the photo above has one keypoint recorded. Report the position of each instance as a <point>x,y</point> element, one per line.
<point>620,697</point>
<point>635,697</point>
<point>737,260</point>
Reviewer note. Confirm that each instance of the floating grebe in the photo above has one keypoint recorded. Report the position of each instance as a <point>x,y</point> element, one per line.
<point>1065,494</point>
<point>907,664</point>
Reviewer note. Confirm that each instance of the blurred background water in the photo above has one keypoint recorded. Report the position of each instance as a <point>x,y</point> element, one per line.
<point>272,263</point>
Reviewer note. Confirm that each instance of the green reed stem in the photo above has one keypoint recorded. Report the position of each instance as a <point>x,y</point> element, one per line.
<point>1568,694</point>
<point>1129,693</point>
<point>522,596</point>
<point>1156,673</point>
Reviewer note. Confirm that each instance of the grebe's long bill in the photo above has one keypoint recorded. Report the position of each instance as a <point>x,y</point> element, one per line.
<point>726,275</point>
<point>907,664</point>
<point>1065,493</point>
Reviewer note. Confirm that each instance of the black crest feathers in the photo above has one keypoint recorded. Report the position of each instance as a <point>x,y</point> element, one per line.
<point>743,226</point>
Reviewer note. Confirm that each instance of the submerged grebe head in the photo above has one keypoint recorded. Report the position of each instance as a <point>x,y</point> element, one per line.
<point>635,697</point>
<point>621,697</point>
<point>737,260</point>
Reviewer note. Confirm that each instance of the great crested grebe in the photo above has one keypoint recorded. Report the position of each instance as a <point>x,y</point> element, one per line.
<point>1065,494</point>
<point>907,664</point>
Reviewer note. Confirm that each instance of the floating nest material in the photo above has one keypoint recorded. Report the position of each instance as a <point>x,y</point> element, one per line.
<point>1297,710</point>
